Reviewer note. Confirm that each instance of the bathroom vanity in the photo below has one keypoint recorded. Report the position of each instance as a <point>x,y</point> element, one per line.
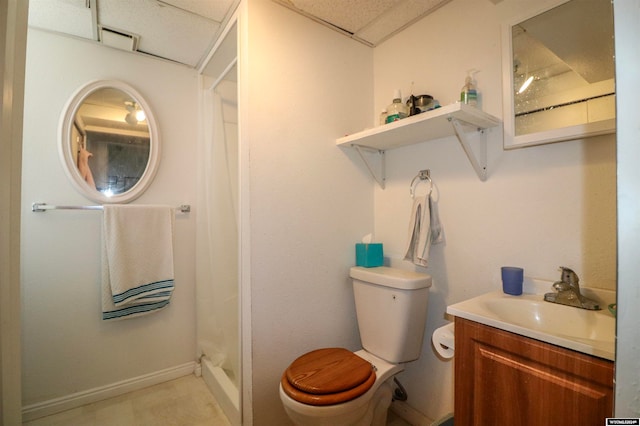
<point>504,378</point>
<point>522,361</point>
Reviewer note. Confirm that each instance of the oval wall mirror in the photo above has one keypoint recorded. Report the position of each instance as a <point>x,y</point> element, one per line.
<point>109,142</point>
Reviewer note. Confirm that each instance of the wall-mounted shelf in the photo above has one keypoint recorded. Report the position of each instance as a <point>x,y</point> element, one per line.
<point>464,121</point>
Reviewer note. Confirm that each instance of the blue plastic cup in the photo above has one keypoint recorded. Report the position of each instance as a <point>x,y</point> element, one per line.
<point>512,278</point>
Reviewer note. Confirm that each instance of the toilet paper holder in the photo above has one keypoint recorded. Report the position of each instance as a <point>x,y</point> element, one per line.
<point>443,340</point>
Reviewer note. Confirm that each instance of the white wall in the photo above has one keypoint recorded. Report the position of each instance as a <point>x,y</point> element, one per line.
<point>67,348</point>
<point>541,207</point>
<point>310,201</point>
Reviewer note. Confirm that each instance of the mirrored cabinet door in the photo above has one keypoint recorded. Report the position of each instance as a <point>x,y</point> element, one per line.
<point>558,71</point>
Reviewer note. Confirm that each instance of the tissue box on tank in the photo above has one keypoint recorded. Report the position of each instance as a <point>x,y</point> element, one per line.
<point>369,255</point>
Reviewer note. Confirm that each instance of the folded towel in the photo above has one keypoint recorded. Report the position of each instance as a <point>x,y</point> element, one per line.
<point>137,260</point>
<point>424,229</point>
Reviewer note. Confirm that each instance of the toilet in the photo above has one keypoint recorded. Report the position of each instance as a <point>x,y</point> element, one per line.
<point>337,387</point>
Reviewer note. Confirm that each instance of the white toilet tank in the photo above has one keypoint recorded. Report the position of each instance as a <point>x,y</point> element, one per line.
<point>391,306</point>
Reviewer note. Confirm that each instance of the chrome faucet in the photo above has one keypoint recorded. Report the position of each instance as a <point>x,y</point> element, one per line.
<point>568,292</point>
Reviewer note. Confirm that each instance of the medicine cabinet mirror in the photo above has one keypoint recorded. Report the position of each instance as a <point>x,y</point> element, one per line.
<point>109,143</point>
<point>558,74</point>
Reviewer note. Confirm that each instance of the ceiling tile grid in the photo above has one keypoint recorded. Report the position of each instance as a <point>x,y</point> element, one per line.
<point>164,30</point>
<point>347,18</point>
<point>216,10</point>
<point>185,30</point>
<point>397,18</point>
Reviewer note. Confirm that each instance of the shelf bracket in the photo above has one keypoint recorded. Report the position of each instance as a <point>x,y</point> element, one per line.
<point>380,175</point>
<point>477,160</point>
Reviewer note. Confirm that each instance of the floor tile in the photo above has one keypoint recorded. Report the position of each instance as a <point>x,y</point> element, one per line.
<point>184,401</point>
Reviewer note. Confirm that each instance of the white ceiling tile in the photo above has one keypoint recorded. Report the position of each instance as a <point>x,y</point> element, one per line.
<point>350,16</point>
<point>164,30</point>
<point>215,10</point>
<point>398,18</point>
<point>67,16</point>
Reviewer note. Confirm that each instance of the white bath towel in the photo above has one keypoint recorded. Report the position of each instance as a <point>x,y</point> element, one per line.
<point>424,229</point>
<point>137,260</point>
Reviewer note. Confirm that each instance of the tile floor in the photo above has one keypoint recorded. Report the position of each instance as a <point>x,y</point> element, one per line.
<point>182,402</point>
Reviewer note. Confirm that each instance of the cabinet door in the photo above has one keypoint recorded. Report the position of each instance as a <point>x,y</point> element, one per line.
<point>505,379</point>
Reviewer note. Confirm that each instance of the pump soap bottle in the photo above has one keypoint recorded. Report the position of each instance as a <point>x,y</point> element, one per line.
<point>397,110</point>
<point>468,93</point>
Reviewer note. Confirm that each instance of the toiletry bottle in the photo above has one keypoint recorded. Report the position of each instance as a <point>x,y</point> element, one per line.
<point>397,110</point>
<point>468,93</point>
<point>383,117</point>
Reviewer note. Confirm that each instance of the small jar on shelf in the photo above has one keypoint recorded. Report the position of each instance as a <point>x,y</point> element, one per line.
<point>397,110</point>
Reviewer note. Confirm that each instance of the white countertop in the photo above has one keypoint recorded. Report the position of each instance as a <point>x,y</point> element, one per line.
<point>589,332</point>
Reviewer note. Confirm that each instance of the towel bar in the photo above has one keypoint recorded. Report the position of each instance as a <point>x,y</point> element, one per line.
<point>41,207</point>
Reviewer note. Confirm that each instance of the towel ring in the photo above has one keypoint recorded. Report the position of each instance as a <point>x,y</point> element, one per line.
<point>422,175</point>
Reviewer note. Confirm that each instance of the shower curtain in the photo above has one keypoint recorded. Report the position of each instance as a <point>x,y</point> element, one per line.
<point>217,270</point>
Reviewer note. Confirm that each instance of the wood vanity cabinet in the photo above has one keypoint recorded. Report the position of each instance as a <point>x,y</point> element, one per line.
<point>502,378</point>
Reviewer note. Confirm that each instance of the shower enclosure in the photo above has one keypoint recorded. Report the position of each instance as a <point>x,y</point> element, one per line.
<point>217,265</point>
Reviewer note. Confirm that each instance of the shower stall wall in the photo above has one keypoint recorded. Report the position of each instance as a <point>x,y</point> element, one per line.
<point>217,304</point>
<point>217,266</point>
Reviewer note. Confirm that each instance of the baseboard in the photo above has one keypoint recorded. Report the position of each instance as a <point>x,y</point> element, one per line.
<point>410,414</point>
<point>56,405</point>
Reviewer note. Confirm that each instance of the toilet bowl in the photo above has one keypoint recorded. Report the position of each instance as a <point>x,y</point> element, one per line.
<point>336,387</point>
<point>369,408</point>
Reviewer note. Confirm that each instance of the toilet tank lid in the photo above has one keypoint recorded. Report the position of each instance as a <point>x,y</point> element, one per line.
<point>391,277</point>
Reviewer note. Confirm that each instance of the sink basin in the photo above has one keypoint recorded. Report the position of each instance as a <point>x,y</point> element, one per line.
<point>556,319</point>
<point>590,332</point>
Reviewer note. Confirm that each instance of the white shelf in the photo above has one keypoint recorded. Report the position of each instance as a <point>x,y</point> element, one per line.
<point>455,119</point>
<point>423,127</point>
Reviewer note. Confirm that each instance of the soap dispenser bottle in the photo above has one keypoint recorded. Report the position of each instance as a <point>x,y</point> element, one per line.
<point>397,110</point>
<point>469,93</point>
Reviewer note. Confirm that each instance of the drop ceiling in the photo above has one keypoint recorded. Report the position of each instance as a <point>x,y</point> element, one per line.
<point>368,21</point>
<point>184,31</point>
<point>178,30</point>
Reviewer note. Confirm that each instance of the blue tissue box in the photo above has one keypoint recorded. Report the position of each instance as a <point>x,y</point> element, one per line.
<point>369,255</point>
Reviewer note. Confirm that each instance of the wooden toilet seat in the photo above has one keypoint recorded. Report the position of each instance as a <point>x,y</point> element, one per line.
<point>328,376</point>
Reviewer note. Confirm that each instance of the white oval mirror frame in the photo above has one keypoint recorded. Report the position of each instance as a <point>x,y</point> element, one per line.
<point>69,162</point>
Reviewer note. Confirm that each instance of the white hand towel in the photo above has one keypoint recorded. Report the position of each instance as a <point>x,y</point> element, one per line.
<point>424,229</point>
<point>137,260</point>
<point>437,233</point>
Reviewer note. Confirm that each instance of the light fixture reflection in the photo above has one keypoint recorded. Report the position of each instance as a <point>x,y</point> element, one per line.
<point>135,113</point>
<point>525,85</point>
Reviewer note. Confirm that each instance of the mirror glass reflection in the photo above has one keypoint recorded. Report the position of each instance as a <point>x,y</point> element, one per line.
<point>563,68</point>
<point>110,141</point>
